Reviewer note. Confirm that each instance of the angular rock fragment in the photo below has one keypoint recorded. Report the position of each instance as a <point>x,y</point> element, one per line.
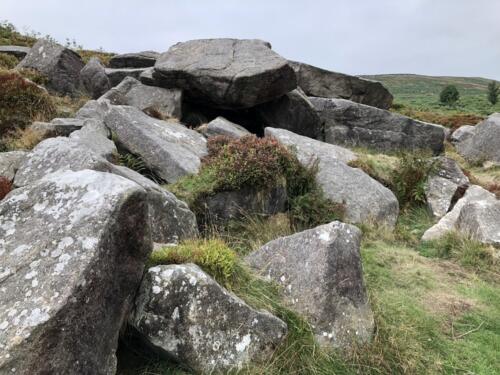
<point>10,162</point>
<point>225,73</point>
<point>322,278</point>
<point>481,221</point>
<point>134,60</point>
<point>462,133</point>
<point>484,144</point>
<point>94,78</point>
<point>72,252</point>
<point>221,126</point>
<point>186,315</point>
<point>117,75</point>
<point>17,51</point>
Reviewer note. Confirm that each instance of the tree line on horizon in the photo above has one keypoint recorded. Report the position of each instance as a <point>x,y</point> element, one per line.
<point>450,95</point>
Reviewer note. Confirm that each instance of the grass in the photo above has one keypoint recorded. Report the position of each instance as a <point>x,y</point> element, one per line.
<point>421,94</point>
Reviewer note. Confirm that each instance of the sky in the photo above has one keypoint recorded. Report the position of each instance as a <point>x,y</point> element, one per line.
<point>431,37</point>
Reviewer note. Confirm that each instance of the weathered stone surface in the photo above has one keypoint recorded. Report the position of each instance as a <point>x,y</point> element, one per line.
<point>484,144</point>
<point>221,126</point>
<point>94,78</point>
<point>72,254</point>
<point>132,92</point>
<point>293,111</point>
<point>94,135</point>
<point>58,127</point>
<point>365,199</point>
<point>168,148</point>
<point>481,221</point>
<point>462,133</point>
<point>228,205</point>
<point>134,60</point>
<point>189,317</point>
<point>225,73</point>
<point>147,78</point>
<point>449,222</point>
<point>321,274</point>
<point>117,75</point>
<point>356,125</point>
<point>323,83</point>
<point>445,186</point>
<point>10,162</point>
<point>17,51</point>
<point>61,66</point>
<point>56,154</point>
<point>96,109</point>
<point>171,219</point>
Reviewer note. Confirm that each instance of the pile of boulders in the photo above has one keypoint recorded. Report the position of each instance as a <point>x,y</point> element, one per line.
<point>77,230</point>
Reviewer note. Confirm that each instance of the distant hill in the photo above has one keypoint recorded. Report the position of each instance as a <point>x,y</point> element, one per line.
<point>422,92</point>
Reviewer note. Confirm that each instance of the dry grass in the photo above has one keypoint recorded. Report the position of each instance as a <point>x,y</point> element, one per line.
<point>22,139</point>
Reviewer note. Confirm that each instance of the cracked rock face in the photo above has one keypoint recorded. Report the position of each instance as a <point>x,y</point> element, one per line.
<point>225,73</point>
<point>10,162</point>
<point>322,278</point>
<point>94,78</point>
<point>72,253</point>
<point>185,314</point>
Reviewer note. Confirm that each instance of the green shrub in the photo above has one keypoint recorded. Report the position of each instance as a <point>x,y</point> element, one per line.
<point>8,61</point>
<point>410,176</point>
<point>213,255</point>
<point>449,95</point>
<point>259,163</point>
<point>22,102</point>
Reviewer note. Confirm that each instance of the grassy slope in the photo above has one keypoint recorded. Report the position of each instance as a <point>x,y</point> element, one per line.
<point>422,92</point>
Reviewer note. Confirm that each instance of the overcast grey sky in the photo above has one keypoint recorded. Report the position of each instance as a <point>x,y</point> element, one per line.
<point>434,37</point>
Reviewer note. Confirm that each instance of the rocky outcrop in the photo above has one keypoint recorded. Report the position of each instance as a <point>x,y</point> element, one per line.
<point>94,109</point>
<point>293,111</point>
<point>365,199</point>
<point>116,75</point>
<point>17,51</point>
<point>484,144</point>
<point>221,126</point>
<point>356,125</point>
<point>323,83</point>
<point>73,247</point>
<point>225,73</point>
<point>462,133</point>
<point>133,93</point>
<point>134,60</point>
<point>58,127</point>
<point>481,221</point>
<point>187,316</point>
<point>445,186</point>
<point>10,162</point>
<point>94,78</point>
<point>449,222</point>
<point>168,148</point>
<point>60,65</point>
<point>321,276</point>
<point>94,135</point>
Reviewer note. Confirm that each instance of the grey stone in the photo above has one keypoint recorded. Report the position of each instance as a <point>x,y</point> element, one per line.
<point>356,125</point>
<point>72,252</point>
<point>17,51</point>
<point>462,133</point>
<point>58,127</point>
<point>117,75</point>
<point>10,162</point>
<point>447,184</point>
<point>94,78</point>
<point>171,219</point>
<point>365,199</point>
<point>147,78</point>
<point>484,144</point>
<point>293,111</point>
<point>221,126</point>
<point>96,109</point>
<point>321,274</point>
<point>224,206</point>
<point>187,316</point>
<point>225,73</point>
<point>481,221</point>
<point>61,66</point>
<point>94,135</point>
<point>168,148</point>
<point>134,60</point>
<point>323,83</point>
<point>132,92</point>
<point>448,223</point>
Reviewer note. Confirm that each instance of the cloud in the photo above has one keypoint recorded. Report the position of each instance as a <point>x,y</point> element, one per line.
<point>445,37</point>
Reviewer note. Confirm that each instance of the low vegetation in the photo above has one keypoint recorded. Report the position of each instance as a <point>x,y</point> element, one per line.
<point>260,163</point>
<point>5,187</point>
